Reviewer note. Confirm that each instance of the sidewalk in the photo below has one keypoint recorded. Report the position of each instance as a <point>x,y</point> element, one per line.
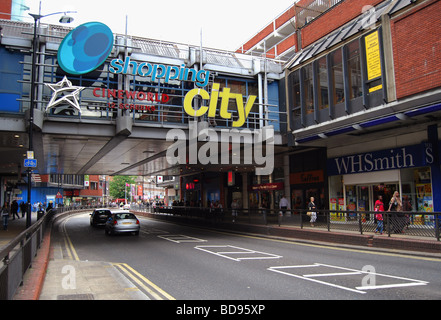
<point>57,275</point>
<point>15,227</point>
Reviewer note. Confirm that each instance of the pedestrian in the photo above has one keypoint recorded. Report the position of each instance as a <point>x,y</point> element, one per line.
<point>14,209</point>
<point>312,211</point>
<point>379,207</point>
<point>23,208</point>
<point>234,207</point>
<point>283,205</point>
<point>378,204</point>
<point>395,206</point>
<point>5,215</point>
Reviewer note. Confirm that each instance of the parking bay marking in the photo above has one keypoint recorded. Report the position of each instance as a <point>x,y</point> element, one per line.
<point>180,238</point>
<point>153,231</point>
<point>247,254</point>
<point>406,282</point>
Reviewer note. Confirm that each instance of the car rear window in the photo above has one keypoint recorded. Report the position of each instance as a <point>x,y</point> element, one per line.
<point>102,212</point>
<point>121,216</point>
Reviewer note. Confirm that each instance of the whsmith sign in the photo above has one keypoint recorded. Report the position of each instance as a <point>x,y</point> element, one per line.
<point>88,46</point>
<point>390,159</point>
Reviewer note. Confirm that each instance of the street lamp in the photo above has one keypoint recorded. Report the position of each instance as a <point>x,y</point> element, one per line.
<point>37,17</point>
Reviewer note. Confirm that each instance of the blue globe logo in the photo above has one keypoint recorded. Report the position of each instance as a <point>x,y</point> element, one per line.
<point>85,48</point>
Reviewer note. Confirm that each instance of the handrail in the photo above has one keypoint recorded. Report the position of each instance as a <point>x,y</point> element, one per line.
<point>419,224</point>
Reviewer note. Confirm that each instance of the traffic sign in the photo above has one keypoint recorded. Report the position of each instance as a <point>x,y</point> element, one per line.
<point>30,163</point>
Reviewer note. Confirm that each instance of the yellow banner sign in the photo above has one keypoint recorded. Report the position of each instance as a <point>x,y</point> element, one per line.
<point>373,61</point>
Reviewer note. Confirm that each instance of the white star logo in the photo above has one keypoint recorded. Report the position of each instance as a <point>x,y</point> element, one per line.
<point>64,93</point>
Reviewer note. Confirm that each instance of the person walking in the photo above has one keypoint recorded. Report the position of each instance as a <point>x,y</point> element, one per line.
<point>379,207</point>
<point>283,205</point>
<point>14,209</point>
<point>5,215</point>
<point>312,209</point>
<point>396,206</point>
<point>23,208</point>
<point>234,207</point>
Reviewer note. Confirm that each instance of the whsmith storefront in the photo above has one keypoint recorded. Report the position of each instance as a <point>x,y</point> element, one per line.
<point>356,181</point>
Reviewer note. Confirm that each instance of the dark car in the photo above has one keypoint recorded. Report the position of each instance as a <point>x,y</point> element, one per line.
<point>99,217</point>
<point>122,222</point>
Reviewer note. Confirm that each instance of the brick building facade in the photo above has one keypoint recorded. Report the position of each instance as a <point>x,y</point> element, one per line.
<point>363,83</point>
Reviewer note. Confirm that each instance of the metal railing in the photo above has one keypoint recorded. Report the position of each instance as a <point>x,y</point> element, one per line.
<point>17,256</point>
<point>409,224</point>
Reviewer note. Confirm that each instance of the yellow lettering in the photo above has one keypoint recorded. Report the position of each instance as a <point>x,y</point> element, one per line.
<point>226,95</point>
<point>213,101</point>
<point>188,101</point>
<point>242,117</point>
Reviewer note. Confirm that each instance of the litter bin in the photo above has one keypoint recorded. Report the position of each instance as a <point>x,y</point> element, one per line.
<point>40,214</point>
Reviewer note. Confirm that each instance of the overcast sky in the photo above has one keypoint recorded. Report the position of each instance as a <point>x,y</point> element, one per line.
<point>225,24</point>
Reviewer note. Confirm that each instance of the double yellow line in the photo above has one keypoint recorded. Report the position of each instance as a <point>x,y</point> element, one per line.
<point>145,285</point>
<point>71,252</point>
<point>148,287</point>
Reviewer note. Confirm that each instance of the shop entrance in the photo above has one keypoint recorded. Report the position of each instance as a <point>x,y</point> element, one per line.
<point>363,197</point>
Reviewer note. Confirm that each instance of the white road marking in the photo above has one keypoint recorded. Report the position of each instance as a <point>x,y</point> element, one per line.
<point>237,251</point>
<point>347,272</point>
<point>180,238</point>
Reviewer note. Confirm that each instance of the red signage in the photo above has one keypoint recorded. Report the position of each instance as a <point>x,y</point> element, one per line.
<point>307,177</point>
<point>267,186</point>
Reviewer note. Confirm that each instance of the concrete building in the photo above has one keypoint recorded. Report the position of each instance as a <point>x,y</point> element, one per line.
<point>123,115</point>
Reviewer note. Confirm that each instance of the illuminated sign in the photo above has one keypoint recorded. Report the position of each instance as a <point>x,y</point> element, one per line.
<point>231,178</point>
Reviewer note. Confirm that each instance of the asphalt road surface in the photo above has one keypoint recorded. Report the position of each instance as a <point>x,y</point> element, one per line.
<point>189,263</point>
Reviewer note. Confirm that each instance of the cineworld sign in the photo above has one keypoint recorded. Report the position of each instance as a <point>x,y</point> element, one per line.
<point>88,46</point>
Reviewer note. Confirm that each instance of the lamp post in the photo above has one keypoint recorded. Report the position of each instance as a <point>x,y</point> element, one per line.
<point>36,17</point>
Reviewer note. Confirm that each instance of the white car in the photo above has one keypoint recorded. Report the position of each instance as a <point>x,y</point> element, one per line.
<point>126,206</point>
<point>120,222</point>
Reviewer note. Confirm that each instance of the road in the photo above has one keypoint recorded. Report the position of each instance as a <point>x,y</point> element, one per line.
<point>187,263</point>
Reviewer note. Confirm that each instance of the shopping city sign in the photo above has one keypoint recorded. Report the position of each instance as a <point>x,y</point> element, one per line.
<point>88,46</point>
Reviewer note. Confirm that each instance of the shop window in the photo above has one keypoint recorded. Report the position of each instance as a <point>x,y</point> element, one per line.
<point>322,75</point>
<point>417,190</point>
<point>354,70</point>
<point>338,92</point>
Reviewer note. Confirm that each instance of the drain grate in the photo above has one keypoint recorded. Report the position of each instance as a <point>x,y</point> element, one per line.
<point>86,296</point>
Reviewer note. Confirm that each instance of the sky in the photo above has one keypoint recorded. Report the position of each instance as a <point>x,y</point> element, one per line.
<point>225,24</point>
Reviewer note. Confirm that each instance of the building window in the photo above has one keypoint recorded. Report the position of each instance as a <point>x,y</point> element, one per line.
<point>322,76</point>
<point>295,92</point>
<point>309,89</point>
<point>338,92</point>
<point>354,70</point>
